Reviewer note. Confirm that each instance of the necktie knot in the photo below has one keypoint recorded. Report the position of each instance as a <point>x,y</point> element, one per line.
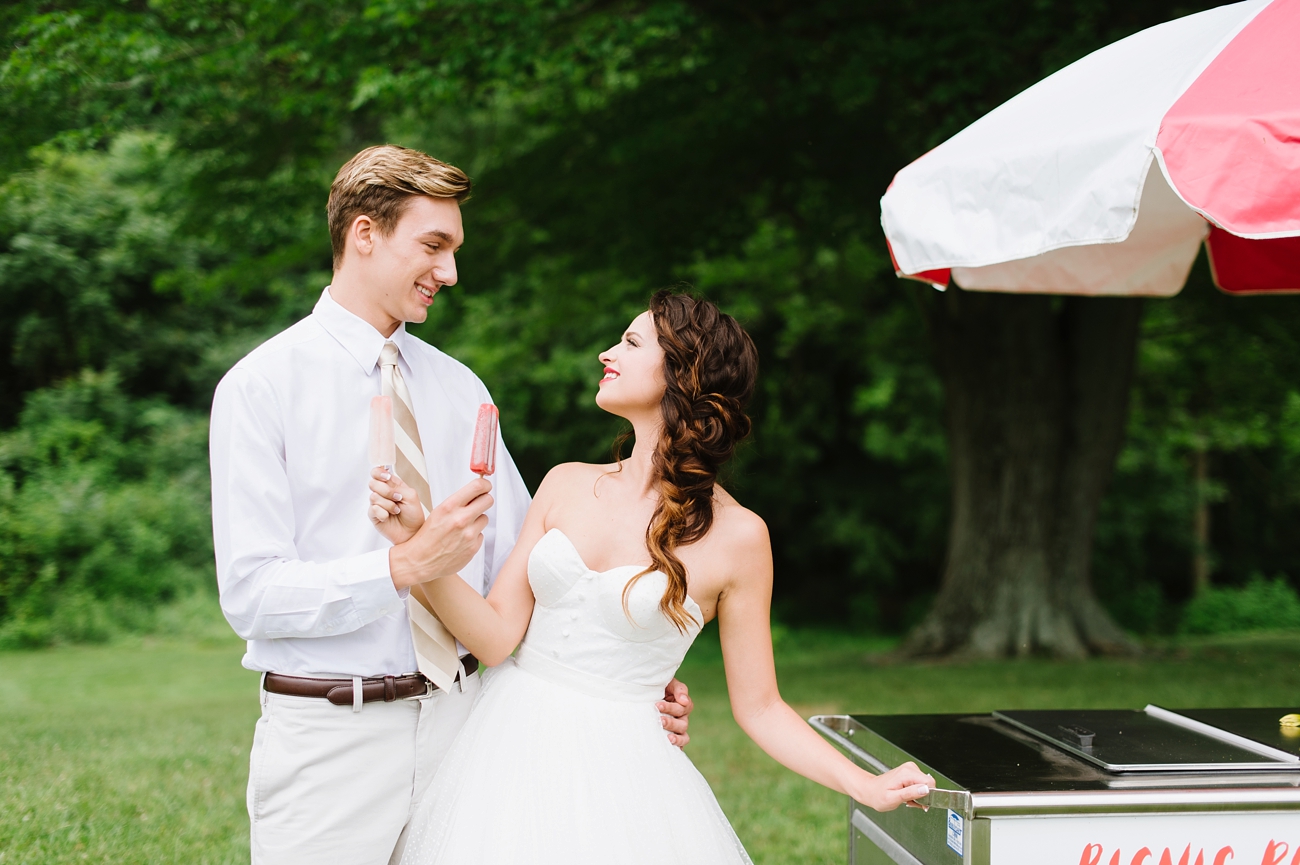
<point>388,355</point>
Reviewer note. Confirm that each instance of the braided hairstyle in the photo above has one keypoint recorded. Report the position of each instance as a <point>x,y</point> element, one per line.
<point>710,365</point>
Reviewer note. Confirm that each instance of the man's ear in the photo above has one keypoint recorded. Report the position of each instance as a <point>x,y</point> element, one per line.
<point>362,234</point>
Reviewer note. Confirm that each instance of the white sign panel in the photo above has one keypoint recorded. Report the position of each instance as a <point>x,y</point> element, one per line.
<point>1157,839</point>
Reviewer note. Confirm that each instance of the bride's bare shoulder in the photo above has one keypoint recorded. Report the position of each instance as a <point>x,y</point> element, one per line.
<point>738,528</point>
<point>565,478</point>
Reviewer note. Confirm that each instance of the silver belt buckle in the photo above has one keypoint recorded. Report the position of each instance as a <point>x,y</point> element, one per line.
<point>429,688</point>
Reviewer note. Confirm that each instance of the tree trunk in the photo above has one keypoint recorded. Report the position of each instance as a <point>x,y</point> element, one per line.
<point>1037,399</point>
<point>1201,521</point>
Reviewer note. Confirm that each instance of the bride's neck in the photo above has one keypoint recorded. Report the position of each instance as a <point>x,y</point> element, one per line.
<point>637,466</point>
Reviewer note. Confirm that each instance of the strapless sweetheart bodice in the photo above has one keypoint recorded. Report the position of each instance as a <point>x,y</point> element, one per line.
<point>581,635</point>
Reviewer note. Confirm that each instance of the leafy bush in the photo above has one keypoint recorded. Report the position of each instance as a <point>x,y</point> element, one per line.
<point>103,513</point>
<point>1142,609</point>
<point>1259,605</point>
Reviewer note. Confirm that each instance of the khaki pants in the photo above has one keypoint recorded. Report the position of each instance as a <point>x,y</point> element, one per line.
<point>327,784</point>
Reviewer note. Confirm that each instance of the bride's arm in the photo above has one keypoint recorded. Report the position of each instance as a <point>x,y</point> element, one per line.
<point>492,627</point>
<point>744,624</point>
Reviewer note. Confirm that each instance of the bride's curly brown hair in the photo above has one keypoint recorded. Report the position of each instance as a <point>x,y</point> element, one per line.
<point>710,366</point>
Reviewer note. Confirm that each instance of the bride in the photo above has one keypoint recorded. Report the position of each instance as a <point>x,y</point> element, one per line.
<point>563,758</point>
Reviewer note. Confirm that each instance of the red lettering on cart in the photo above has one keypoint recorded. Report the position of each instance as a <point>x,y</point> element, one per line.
<point>1275,852</point>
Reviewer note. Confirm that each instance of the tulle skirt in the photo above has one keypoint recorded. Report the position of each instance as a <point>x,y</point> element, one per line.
<point>545,773</point>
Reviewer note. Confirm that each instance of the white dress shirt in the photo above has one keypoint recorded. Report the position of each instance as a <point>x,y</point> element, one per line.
<point>303,573</point>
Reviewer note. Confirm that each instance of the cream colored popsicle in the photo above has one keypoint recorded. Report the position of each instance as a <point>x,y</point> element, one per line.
<point>483,459</point>
<point>383,451</point>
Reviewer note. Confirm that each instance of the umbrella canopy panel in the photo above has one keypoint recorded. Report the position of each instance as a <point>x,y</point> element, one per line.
<point>1058,190</point>
<point>1152,261</point>
<point>1231,143</point>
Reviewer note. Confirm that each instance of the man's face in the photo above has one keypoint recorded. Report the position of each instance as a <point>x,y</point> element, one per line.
<point>408,267</point>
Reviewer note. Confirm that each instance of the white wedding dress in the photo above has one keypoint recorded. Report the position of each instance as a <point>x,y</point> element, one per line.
<point>563,759</point>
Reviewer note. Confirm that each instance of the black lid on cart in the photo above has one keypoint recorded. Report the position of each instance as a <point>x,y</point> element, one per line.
<point>1155,740</point>
<point>1270,727</point>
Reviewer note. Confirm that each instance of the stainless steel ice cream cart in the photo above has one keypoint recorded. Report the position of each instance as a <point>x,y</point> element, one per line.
<point>1092,787</point>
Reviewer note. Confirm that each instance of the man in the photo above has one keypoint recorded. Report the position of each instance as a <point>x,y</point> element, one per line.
<point>362,689</point>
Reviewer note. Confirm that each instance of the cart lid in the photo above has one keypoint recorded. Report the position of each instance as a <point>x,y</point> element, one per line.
<point>1002,768</point>
<point>1156,740</point>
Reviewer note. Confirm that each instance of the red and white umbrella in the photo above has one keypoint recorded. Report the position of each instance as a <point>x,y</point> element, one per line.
<point>1104,178</point>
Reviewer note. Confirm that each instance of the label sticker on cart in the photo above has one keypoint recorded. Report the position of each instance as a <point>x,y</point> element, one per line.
<point>956,829</point>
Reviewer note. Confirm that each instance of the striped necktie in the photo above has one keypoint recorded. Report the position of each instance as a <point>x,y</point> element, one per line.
<point>435,648</point>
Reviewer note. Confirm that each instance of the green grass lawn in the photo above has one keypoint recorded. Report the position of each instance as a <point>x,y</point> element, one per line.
<point>138,752</point>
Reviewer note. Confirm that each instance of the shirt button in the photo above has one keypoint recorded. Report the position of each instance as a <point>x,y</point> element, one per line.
<point>564,633</point>
<point>574,615</point>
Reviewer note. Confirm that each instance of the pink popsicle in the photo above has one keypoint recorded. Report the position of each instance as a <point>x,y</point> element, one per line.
<point>383,451</point>
<point>483,460</point>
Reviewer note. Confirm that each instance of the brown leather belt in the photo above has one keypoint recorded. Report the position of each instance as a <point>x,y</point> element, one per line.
<point>339,691</point>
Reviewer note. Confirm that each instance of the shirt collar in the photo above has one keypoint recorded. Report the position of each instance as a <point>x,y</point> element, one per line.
<point>357,336</point>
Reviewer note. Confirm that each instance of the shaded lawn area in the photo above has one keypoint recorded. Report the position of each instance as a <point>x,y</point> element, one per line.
<point>139,752</point>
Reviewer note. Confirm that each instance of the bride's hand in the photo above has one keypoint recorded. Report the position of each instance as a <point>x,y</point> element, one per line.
<point>395,508</point>
<point>899,785</point>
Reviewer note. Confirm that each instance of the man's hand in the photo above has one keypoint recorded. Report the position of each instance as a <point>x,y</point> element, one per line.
<point>448,539</point>
<point>395,508</point>
<point>675,711</point>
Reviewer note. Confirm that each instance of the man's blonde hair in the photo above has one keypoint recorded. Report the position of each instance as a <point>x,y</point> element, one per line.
<point>380,183</point>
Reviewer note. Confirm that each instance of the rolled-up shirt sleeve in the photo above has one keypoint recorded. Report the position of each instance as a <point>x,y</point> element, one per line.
<point>267,591</point>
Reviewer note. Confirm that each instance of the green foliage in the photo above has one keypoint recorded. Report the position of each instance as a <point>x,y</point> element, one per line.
<point>97,270</point>
<point>1260,605</point>
<point>1218,374</point>
<point>103,513</point>
<point>169,163</point>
